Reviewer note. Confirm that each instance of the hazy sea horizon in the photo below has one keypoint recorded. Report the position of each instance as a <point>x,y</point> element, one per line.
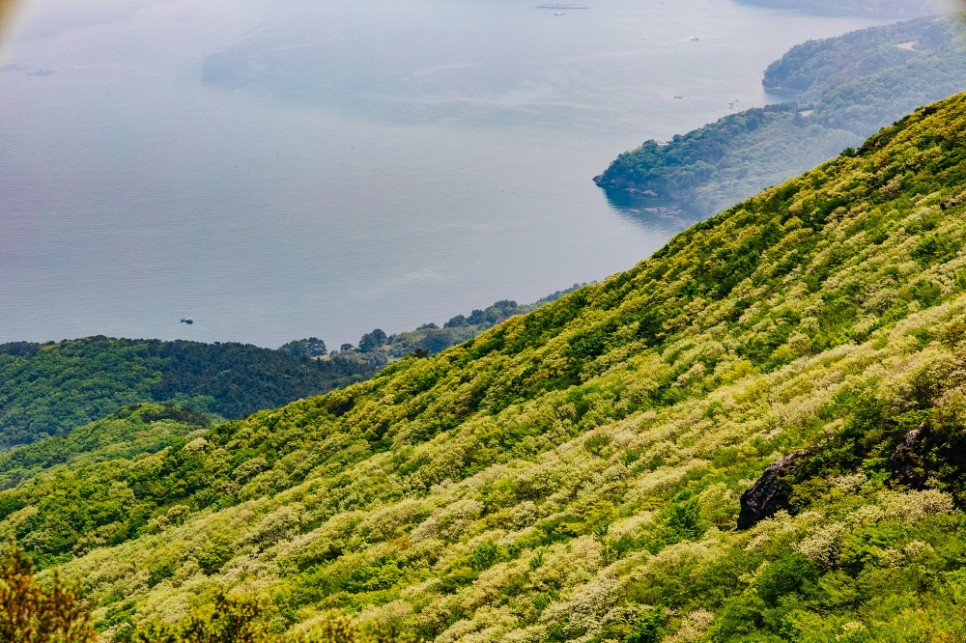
<point>325,169</point>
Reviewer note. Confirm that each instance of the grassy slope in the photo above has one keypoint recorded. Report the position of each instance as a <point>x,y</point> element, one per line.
<point>574,474</point>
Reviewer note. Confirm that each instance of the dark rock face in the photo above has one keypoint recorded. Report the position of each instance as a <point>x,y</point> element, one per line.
<point>768,495</point>
<point>906,465</point>
<point>953,201</point>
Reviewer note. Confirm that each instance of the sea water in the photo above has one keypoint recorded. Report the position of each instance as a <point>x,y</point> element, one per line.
<point>275,170</point>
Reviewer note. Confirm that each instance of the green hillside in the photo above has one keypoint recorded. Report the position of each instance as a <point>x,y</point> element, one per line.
<point>123,435</point>
<point>47,389</point>
<point>836,92</point>
<point>577,473</point>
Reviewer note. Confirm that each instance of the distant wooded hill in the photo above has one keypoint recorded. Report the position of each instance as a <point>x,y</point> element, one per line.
<point>429,339</point>
<point>46,389</point>
<point>884,8</point>
<point>836,91</point>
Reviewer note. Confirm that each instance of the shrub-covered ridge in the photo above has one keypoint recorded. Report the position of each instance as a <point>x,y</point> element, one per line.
<point>575,473</point>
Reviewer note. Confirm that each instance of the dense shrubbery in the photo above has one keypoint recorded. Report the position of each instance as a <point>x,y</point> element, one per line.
<point>127,433</point>
<point>576,473</point>
<point>843,89</point>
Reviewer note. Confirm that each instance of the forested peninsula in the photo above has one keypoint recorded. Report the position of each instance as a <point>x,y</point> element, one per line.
<point>834,93</point>
<point>883,8</point>
<point>756,435</point>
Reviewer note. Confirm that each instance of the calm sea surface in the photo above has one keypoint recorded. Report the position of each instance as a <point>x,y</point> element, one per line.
<point>276,170</point>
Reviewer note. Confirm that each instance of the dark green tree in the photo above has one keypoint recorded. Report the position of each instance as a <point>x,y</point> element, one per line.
<point>310,347</point>
<point>371,341</point>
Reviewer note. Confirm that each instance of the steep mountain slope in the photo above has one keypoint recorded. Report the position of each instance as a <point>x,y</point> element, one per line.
<point>576,473</point>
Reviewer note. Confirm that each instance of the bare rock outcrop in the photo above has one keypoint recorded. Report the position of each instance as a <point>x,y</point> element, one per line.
<point>769,494</point>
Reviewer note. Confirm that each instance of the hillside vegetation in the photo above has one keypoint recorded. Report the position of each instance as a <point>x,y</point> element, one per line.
<point>577,473</point>
<point>47,389</point>
<point>837,92</point>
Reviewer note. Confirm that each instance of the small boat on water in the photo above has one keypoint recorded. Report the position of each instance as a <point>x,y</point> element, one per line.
<point>187,320</point>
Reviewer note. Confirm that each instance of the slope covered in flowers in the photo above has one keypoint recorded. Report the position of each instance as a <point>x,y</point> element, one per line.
<point>576,473</point>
